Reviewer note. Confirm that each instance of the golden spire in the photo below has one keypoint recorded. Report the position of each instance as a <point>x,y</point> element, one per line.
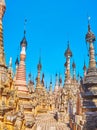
<point>17,62</point>
<point>30,75</point>
<point>90,38</point>
<point>78,77</point>
<point>10,64</point>
<point>56,83</point>
<point>68,55</point>
<point>42,81</point>
<point>50,87</point>
<point>73,67</point>
<point>30,83</point>
<point>85,69</point>
<point>39,67</point>
<point>60,80</point>
<point>2,10</point>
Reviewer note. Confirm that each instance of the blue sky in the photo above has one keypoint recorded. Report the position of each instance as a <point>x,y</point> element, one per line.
<point>50,24</point>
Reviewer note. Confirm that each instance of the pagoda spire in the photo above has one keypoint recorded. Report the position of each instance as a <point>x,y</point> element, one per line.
<point>90,38</point>
<point>10,65</point>
<point>10,70</point>
<point>39,67</point>
<point>78,77</point>
<point>50,87</point>
<point>21,73</point>
<point>30,83</point>
<point>30,76</point>
<point>60,80</point>
<point>85,69</point>
<point>42,81</point>
<point>2,10</point>
<point>74,67</point>
<point>56,83</point>
<point>10,62</point>
<point>17,65</point>
<point>56,80</point>
<point>17,62</point>
<point>68,55</point>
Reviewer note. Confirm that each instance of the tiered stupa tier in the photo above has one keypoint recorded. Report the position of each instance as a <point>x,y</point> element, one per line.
<point>21,73</point>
